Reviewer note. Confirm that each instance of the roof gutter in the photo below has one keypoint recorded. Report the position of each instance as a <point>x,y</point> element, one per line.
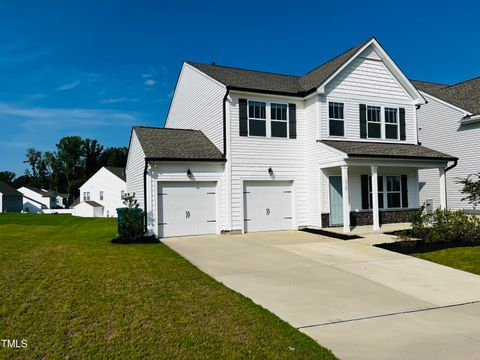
<point>470,119</point>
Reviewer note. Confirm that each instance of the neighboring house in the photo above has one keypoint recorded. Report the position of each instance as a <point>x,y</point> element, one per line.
<point>263,151</point>
<point>36,200</point>
<point>450,122</point>
<point>62,201</point>
<point>102,194</point>
<point>10,199</point>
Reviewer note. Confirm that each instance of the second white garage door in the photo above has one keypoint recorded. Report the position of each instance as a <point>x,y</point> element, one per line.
<point>187,208</point>
<point>268,205</point>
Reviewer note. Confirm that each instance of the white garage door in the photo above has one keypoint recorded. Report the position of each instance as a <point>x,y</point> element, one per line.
<point>187,208</point>
<point>268,205</point>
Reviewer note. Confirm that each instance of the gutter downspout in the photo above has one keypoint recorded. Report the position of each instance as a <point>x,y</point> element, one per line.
<point>145,196</point>
<point>224,104</point>
<point>455,162</point>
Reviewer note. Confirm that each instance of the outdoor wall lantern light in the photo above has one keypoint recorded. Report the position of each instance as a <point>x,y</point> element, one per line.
<point>189,173</point>
<point>270,171</point>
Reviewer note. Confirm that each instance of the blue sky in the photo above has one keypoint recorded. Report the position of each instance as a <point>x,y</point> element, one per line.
<point>95,68</point>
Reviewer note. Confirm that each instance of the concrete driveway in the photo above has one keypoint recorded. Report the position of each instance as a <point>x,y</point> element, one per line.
<point>360,301</point>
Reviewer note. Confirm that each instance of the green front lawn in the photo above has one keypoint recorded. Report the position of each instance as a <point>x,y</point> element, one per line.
<point>463,258</point>
<point>72,294</point>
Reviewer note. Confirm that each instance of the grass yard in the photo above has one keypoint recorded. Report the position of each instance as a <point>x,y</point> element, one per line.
<point>463,258</point>
<point>72,294</point>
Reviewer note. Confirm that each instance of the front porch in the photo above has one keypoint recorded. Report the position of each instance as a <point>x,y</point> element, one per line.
<point>366,195</point>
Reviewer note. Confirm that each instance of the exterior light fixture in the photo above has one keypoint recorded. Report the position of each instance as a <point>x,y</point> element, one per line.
<point>270,171</point>
<point>189,173</point>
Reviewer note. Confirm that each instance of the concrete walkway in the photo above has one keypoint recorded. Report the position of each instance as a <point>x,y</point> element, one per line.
<point>360,301</point>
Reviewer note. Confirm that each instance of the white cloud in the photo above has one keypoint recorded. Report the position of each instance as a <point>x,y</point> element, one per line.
<point>149,82</point>
<point>69,86</point>
<point>117,100</point>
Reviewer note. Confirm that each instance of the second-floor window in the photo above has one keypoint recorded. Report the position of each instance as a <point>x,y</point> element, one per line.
<point>86,196</point>
<point>278,116</point>
<point>374,128</point>
<point>101,195</point>
<point>391,123</point>
<point>257,118</point>
<point>122,194</point>
<point>336,118</point>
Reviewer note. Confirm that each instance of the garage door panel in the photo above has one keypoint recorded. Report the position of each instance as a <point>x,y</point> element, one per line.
<point>268,205</point>
<point>187,209</point>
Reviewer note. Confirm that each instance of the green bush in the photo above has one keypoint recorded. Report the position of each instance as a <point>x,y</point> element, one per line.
<point>130,220</point>
<point>130,224</point>
<point>444,225</point>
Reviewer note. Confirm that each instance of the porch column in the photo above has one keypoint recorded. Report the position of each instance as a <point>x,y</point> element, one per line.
<point>346,200</point>
<point>443,188</point>
<point>376,217</point>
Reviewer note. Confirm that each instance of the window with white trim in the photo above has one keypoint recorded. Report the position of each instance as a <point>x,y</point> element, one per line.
<point>391,123</point>
<point>279,120</point>
<point>122,194</point>
<point>336,119</point>
<point>101,195</point>
<point>86,196</point>
<point>257,118</point>
<point>374,127</point>
<point>394,192</point>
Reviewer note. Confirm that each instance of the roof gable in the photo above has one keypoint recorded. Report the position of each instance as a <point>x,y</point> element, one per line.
<point>250,80</point>
<point>117,171</point>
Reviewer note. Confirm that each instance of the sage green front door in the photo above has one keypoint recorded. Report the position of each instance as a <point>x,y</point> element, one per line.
<point>336,201</point>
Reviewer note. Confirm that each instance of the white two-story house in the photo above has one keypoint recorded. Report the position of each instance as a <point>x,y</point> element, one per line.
<point>102,194</point>
<point>246,150</point>
<point>450,122</point>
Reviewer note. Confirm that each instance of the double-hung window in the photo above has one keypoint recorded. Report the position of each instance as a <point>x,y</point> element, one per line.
<point>122,194</point>
<point>336,118</point>
<point>374,129</point>
<point>391,123</point>
<point>101,195</point>
<point>380,192</point>
<point>279,120</point>
<point>394,192</point>
<point>86,196</point>
<point>257,118</point>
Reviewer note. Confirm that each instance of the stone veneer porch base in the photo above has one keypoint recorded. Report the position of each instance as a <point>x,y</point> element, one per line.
<point>365,217</point>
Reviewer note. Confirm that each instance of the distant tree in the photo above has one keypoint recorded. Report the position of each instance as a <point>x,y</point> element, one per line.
<point>471,188</point>
<point>37,174</point>
<point>20,181</point>
<point>34,157</point>
<point>7,176</point>
<point>114,156</point>
<point>71,162</point>
<point>92,151</point>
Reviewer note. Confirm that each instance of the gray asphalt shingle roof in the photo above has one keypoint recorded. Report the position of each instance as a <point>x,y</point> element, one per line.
<point>118,171</point>
<point>6,189</point>
<point>371,149</point>
<point>465,95</point>
<point>270,82</point>
<point>162,143</point>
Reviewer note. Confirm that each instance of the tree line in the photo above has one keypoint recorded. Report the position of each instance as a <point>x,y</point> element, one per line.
<point>64,170</point>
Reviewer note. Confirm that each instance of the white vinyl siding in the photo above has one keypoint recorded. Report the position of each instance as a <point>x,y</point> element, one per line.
<point>135,168</point>
<point>367,81</point>
<point>251,157</point>
<point>454,139</point>
<point>198,104</point>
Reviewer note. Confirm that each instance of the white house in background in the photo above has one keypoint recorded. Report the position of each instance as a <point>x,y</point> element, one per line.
<point>36,200</point>
<point>246,150</point>
<point>450,122</point>
<point>62,201</point>
<point>10,199</point>
<point>102,194</point>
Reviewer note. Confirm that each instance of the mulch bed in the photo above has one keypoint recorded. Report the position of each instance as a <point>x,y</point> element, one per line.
<point>416,246</point>
<point>143,240</point>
